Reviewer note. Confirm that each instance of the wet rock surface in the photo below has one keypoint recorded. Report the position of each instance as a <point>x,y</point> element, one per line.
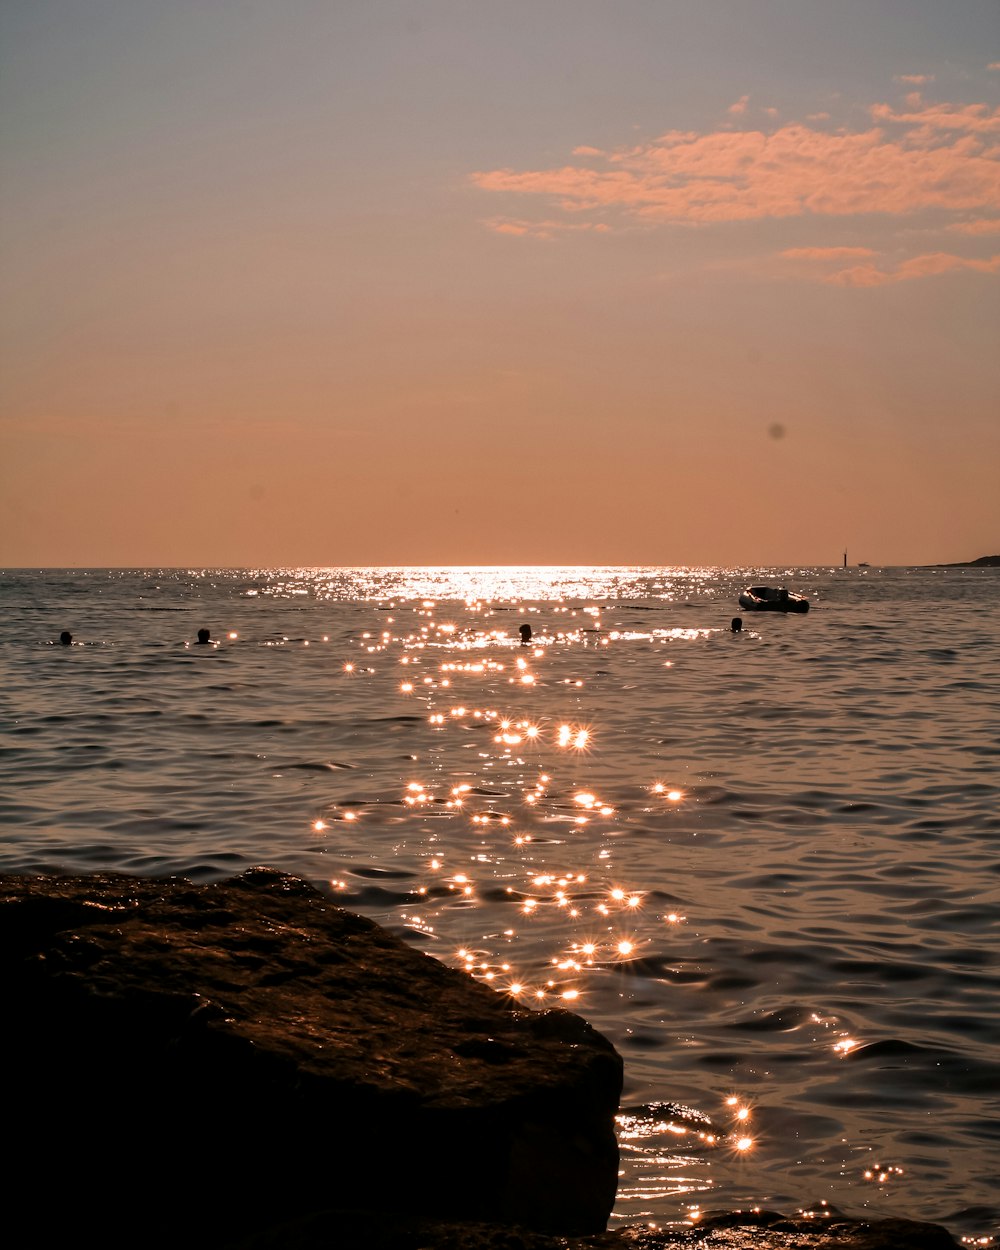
<point>193,1062</point>
<point>246,1065</point>
<point>729,1231</point>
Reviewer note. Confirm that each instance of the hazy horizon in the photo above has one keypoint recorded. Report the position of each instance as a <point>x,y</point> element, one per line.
<point>525,566</point>
<point>449,284</point>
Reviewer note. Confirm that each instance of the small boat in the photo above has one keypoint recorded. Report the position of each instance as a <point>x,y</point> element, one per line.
<point>771,599</point>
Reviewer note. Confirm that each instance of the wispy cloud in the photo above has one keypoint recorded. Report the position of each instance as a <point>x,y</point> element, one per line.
<point>823,265</point>
<point>930,265</point>
<point>915,80</point>
<point>938,157</point>
<point>542,229</point>
<point>827,253</point>
<point>983,225</point>
<point>926,120</point>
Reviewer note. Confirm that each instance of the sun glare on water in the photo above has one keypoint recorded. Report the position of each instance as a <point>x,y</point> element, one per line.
<point>512,840</point>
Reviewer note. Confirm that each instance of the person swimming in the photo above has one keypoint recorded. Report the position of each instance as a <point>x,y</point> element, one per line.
<point>737,624</point>
<point>204,636</point>
<point>525,632</point>
<point>66,638</point>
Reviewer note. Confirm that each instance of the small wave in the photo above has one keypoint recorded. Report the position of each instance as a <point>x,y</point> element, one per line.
<point>781,1020</point>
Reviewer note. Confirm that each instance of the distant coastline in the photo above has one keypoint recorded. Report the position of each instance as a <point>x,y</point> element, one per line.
<point>984,562</point>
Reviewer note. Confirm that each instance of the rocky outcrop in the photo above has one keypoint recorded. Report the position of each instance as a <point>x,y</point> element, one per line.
<point>246,1066</point>
<point>757,1230</point>
<point>188,1064</point>
<point>984,562</point>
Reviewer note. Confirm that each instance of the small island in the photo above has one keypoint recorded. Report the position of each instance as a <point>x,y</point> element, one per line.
<point>984,562</point>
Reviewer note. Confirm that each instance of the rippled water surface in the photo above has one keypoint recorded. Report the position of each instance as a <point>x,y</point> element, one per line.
<point>764,864</point>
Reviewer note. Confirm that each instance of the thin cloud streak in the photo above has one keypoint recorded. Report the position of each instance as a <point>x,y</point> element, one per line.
<point>816,265</point>
<point>985,225</point>
<point>930,265</point>
<point>940,157</point>
<point>543,229</point>
<point>930,118</point>
<point>827,253</point>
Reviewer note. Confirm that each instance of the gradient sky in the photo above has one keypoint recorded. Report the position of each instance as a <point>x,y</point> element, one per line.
<point>365,282</point>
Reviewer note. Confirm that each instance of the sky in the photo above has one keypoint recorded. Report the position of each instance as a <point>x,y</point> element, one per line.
<point>363,282</point>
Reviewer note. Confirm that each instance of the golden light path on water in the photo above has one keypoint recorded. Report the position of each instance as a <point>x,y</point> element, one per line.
<point>501,815</point>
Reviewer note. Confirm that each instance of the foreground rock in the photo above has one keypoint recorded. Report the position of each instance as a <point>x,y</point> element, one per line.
<point>188,1064</point>
<point>763,1230</point>
<point>245,1066</point>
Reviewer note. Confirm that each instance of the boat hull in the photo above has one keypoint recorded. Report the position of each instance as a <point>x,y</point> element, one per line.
<point>751,602</point>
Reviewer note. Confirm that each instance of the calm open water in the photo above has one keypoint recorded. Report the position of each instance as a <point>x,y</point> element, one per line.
<point>763,864</point>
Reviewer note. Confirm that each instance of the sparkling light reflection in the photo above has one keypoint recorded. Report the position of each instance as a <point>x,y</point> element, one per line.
<point>513,838</point>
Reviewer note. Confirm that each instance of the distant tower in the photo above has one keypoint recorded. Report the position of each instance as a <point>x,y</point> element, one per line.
<point>845,559</point>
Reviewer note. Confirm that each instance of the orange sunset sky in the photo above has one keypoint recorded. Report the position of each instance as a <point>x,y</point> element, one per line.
<point>445,282</point>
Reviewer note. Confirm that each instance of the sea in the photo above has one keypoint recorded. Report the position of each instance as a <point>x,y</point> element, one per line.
<point>762,862</point>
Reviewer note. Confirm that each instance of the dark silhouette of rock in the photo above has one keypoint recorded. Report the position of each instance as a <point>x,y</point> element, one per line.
<point>759,1230</point>
<point>190,1063</point>
<point>246,1066</point>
